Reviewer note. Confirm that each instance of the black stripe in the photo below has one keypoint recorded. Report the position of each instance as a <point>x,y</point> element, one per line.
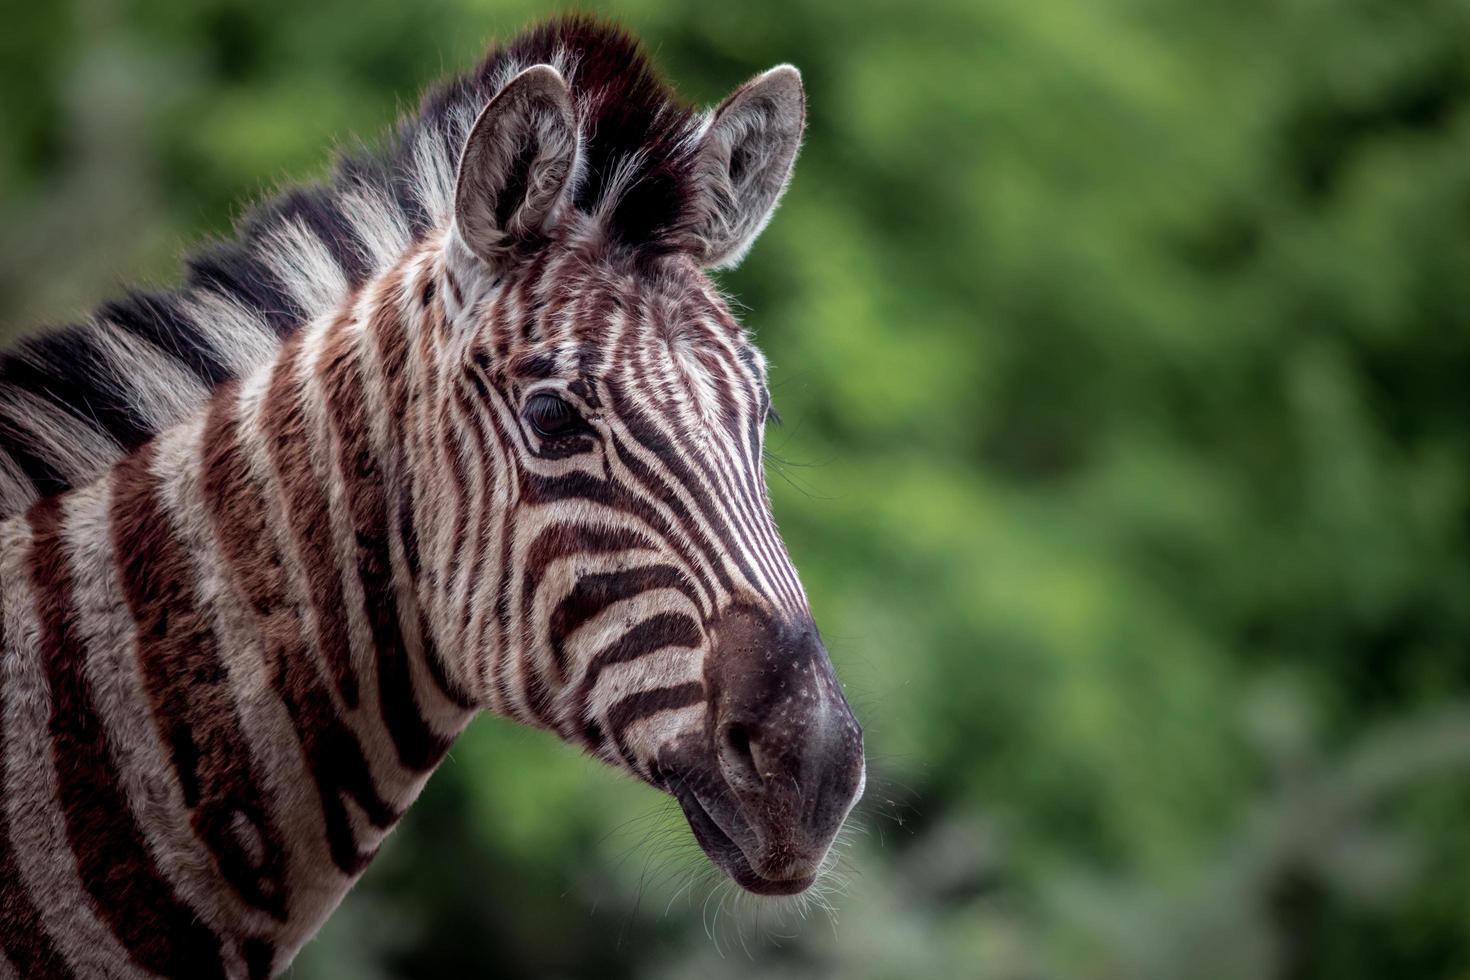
<point>230,269</point>
<point>259,956</point>
<point>70,372</point>
<point>643,704</point>
<point>161,321</point>
<point>46,479</point>
<point>655,633</point>
<point>320,213</point>
<point>593,593</point>
<point>161,933</point>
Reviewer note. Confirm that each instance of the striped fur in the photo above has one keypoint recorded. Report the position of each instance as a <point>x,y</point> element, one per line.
<point>275,538</point>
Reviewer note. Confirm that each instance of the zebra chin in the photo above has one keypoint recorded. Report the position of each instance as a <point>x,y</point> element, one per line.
<point>793,879</point>
<point>769,781</point>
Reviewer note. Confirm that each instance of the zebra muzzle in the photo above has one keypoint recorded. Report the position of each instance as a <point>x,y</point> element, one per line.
<point>768,783</point>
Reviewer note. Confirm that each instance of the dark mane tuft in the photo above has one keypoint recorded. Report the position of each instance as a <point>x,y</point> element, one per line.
<point>74,400</point>
<point>627,110</point>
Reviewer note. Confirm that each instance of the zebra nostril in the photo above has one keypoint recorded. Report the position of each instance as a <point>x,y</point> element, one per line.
<point>738,756</point>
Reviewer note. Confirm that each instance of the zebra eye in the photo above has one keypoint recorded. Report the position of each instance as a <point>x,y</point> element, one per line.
<point>551,416</point>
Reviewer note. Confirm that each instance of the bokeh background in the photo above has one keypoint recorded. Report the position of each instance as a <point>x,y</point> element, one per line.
<point>1124,353</point>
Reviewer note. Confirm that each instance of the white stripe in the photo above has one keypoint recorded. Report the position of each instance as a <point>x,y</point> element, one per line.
<point>160,390</point>
<point>378,223</point>
<point>16,491</point>
<point>305,266</point>
<point>69,446</point>
<point>239,337</point>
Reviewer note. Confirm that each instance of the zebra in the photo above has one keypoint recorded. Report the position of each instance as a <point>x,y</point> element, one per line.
<point>466,427</point>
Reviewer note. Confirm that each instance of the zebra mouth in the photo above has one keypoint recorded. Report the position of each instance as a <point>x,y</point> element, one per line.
<point>727,855</point>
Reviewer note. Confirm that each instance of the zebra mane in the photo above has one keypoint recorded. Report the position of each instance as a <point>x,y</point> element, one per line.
<point>76,399</point>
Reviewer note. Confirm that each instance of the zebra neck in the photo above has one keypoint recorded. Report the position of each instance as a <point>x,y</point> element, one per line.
<point>451,485</point>
<point>219,695</point>
<point>304,477</point>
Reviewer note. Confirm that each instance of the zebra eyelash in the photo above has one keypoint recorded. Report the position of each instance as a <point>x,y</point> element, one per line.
<point>773,417</point>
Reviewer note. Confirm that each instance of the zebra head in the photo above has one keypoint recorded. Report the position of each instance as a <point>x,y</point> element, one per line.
<point>619,577</point>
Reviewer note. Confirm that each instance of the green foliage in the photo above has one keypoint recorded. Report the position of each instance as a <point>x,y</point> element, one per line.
<point>1123,351</point>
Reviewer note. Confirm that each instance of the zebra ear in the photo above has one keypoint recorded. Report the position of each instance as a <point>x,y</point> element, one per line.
<point>744,163</point>
<point>516,163</point>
